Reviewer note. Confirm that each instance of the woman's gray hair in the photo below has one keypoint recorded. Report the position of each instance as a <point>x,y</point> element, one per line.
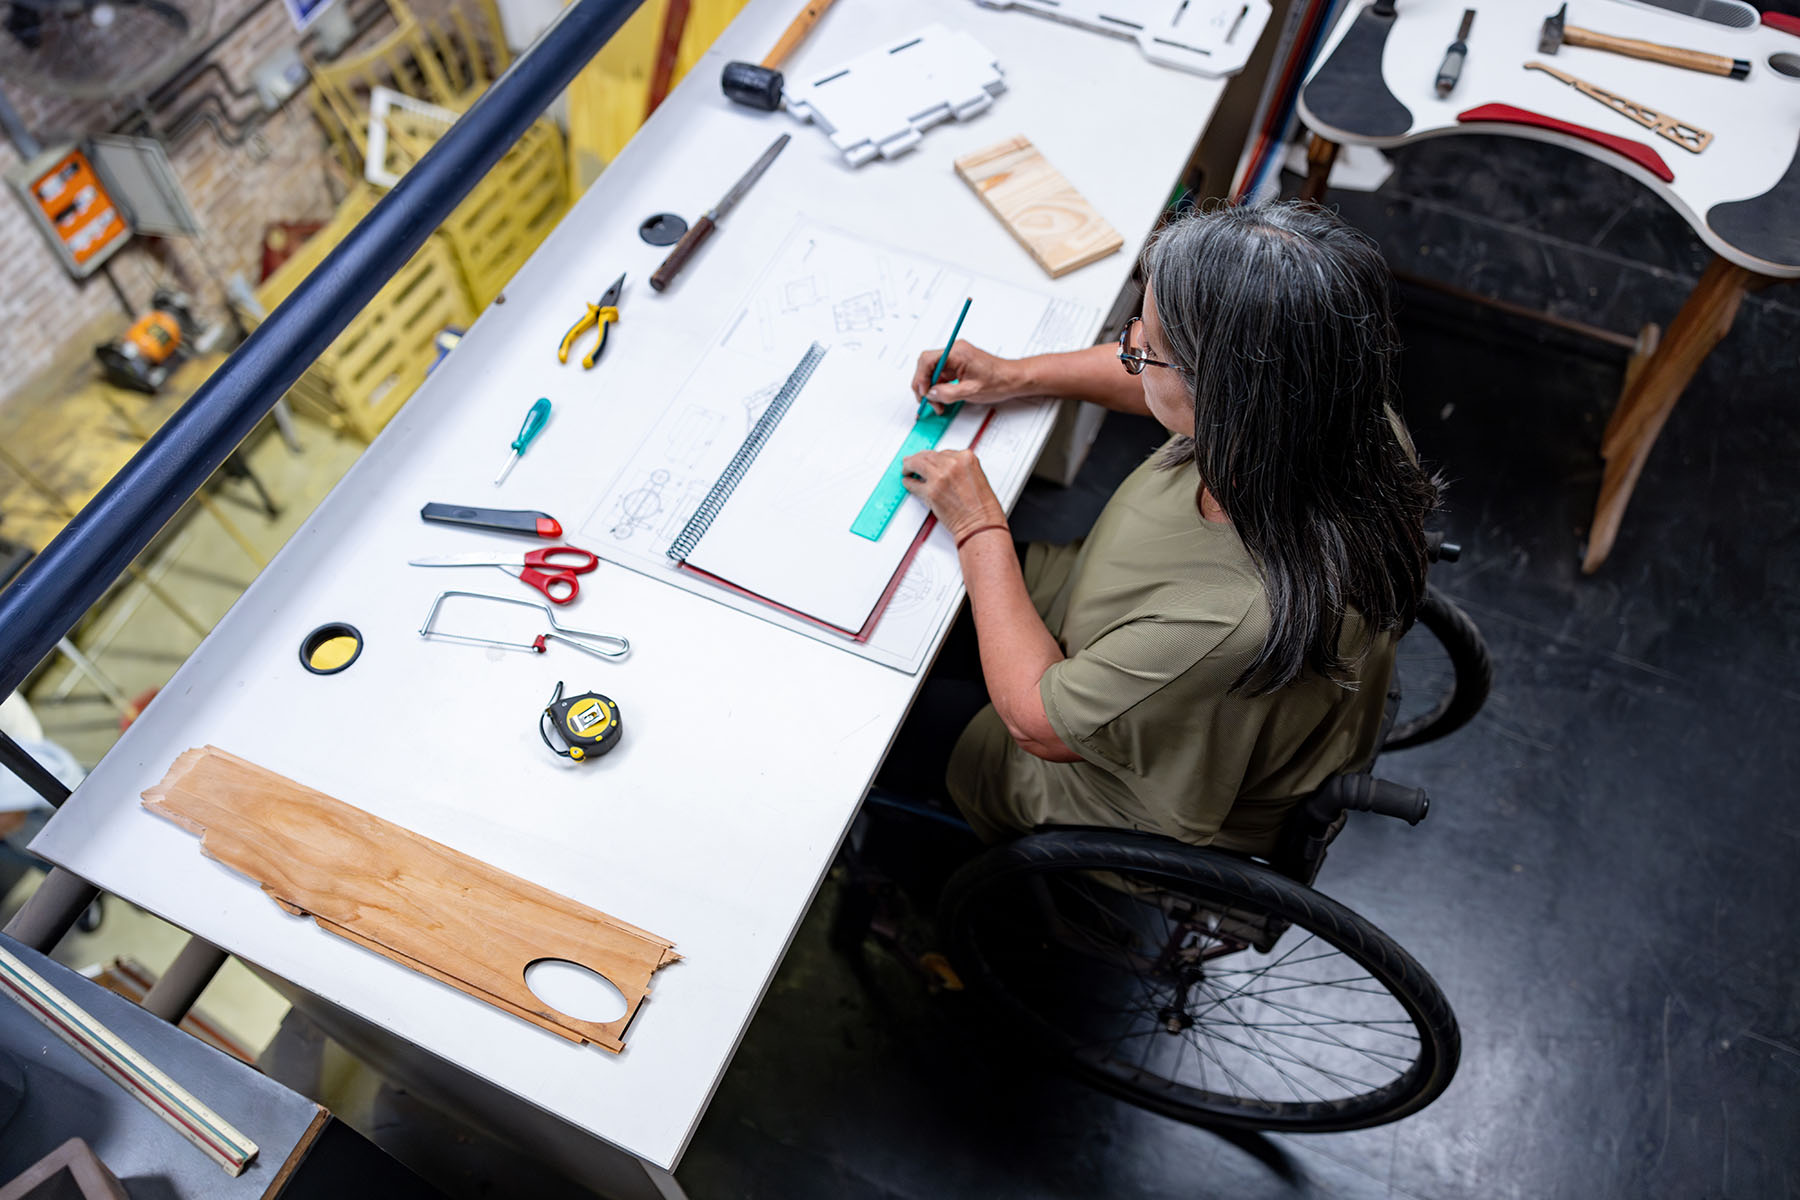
<point>1279,319</point>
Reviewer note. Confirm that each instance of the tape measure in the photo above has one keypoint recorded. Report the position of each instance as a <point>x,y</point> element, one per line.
<point>588,724</point>
<point>891,492</point>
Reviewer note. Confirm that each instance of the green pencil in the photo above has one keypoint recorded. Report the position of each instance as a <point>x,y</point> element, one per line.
<point>924,404</point>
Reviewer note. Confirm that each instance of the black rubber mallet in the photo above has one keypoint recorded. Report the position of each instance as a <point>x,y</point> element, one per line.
<point>758,85</point>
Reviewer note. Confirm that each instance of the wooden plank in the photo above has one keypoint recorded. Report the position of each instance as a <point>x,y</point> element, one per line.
<point>1052,220</point>
<point>413,900</point>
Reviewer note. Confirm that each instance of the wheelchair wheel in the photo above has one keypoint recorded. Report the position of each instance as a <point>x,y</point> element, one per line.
<point>1204,987</point>
<point>1443,679</point>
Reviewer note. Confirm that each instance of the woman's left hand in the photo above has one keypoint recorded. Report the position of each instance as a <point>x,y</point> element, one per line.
<point>954,485</point>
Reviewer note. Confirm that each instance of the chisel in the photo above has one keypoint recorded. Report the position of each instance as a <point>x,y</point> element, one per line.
<point>1451,69</point>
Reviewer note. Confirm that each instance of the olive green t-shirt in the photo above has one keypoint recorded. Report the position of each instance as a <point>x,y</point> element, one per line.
<point>1158,612</point>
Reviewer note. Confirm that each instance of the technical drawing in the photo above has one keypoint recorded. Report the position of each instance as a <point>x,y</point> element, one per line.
<point>639,507</point>
<point>682,509</point>
<point>693,433</point>
<point>755,403</point>
<point>919,588</point>
<point>797,294</point>
<point>858,313</point>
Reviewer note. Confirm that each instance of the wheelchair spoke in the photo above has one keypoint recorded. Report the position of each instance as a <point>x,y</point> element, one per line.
<point>1263,1027</point>
<point>1214,1035</point>
<point>1330,1039</point>
<point>1276,1007</point>
<point>1251,1032</point>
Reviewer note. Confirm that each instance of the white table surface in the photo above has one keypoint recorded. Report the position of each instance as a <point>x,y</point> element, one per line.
<point>747,748</point>
<point>1754,120</point>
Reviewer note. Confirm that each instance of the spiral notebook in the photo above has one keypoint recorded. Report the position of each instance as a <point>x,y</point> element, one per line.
<point>775,525</point>
<point>774,546</point>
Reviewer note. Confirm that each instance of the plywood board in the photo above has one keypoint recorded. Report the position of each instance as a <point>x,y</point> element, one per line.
<point>1043,210</point>
<point>413,900</point>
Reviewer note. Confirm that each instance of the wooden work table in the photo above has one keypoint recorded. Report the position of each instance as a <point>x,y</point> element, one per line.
<point>748,748</point>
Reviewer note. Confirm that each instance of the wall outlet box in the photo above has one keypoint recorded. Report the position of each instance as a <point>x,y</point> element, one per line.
<point>278,76</point>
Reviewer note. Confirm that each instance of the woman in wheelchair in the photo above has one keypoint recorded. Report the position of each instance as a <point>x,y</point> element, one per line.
<point>1221,642</point>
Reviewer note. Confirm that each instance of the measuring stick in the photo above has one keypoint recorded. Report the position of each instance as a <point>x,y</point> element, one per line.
<point>100,1046</point>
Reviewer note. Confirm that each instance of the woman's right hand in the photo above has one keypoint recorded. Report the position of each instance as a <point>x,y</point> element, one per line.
<point>979,377</point>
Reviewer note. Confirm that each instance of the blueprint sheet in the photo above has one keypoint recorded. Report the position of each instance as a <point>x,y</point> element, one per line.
<point>880,307</point>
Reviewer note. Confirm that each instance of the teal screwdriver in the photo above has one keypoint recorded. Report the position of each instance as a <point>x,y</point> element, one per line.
<point>534,425</point>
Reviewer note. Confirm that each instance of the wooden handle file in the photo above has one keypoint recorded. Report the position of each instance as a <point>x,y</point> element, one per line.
<point>690,241</point>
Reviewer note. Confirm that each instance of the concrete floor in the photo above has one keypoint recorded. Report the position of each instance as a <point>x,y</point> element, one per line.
<point>137,643</point>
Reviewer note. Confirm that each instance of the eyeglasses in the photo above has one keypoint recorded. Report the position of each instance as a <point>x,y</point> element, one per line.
<point>1136,360</point>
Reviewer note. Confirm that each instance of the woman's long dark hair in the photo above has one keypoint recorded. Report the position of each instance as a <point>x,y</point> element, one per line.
<point>1280,318</point>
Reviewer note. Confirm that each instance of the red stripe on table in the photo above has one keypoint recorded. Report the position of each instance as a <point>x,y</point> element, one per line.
<point>1506,114</point>
<point>1782,22</point>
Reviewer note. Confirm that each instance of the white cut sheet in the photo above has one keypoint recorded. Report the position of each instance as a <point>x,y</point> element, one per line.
<point>876,308</point>
<point>880,103</point>
<point>1207,37</point>
<point>785,533</point>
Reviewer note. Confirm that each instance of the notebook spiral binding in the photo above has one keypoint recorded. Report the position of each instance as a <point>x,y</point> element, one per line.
<point>734,472</point>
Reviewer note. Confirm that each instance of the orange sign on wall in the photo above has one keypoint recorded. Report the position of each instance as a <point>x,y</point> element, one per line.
<point>76,207</point>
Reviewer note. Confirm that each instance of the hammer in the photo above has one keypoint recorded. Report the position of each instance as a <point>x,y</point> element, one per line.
<point>758,85</point>
<point>1555,34</point>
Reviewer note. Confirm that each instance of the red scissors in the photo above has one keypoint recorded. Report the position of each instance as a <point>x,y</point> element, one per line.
<point>551,571</point>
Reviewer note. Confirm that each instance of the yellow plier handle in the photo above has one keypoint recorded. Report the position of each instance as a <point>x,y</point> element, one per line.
<point>595,315</point>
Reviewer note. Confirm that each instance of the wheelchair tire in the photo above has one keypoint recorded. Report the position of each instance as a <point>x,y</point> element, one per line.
<point>1472,675</point>
<point>1087,985</point>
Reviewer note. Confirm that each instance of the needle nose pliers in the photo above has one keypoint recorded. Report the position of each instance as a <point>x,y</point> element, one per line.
<point>602,316</point>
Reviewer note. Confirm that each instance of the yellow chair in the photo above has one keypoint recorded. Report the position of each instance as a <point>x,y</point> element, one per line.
<point>471,47</point>
<point>405,60</point>
<point>373,367</point>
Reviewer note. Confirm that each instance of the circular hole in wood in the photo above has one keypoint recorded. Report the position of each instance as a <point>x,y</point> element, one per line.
<point>1785,63</point>
<point>575,991</point>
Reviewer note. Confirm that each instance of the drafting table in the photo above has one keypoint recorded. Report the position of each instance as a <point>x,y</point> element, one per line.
<point>747,748</point>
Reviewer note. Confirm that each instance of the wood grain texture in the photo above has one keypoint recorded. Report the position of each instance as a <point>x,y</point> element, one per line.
<point>1052,220</point>
<point>1651,390</point>
<point>1674,56</point>
<point>413,900</point>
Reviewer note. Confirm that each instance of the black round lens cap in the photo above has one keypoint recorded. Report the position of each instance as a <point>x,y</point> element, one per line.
<point>664,229</point>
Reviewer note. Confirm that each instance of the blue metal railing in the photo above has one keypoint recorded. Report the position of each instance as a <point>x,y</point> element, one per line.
<point>74,571</point>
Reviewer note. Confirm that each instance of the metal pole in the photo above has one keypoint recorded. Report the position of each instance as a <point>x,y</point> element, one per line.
<point>31,772</point>
<point>82,561</point>
<point>52,910</point>
<point>16,131</point>
<point>107,687</point>
<point>180,986</point>
<point>62,897</point>
<point>55,500</point>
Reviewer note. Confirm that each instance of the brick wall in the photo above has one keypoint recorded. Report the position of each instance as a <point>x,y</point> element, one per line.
<point>286,174</point>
